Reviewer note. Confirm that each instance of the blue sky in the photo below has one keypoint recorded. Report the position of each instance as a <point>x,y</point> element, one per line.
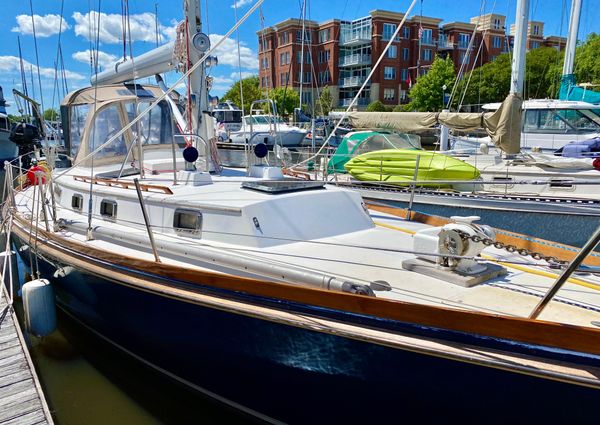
<point>15,21</point>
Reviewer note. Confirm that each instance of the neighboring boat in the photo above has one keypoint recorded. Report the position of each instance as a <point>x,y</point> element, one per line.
<point>8,150</point>
<point>403,166</point>
<point>229,118</point>
<point>267,129</point>
<point>358,142</point>
<point>289,299</point>
<point>548,125</point>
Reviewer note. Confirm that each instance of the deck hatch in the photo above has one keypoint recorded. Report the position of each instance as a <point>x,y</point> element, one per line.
<point>282,186</point>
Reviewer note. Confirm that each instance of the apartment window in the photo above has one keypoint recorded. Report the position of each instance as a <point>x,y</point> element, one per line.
<point>284,78</point>
<point>406,32</point>
<point>324,35</point>
<point>284,38</point>
<point>535,44</point>
<point>402,95</point>
<point>306,36</point>
<point>389,73</point>
<point>324,56</point>
<point>388,31</point>
<point>426,36</point>
<point>463,40</point>
<point>307,78</point>
<point>462,56</point>
<point>306,97</point>
<point>308,57</point>
<point>265,63</point>
<point>536,30</point>
<point>427,54</point>
<point>265,81</point>
<point>405,54</point>
<point>497,42</point>
<point>497,24</point>
<point>392,52</point>
<point>404,74</point>
<point>389,94</point>
<point>324,77</point>
<point>492,58</point>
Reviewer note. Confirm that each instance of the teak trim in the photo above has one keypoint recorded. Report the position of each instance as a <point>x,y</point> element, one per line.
<point>125,184</point>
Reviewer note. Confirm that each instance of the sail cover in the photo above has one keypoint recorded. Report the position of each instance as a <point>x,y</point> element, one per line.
<point>502,125</point>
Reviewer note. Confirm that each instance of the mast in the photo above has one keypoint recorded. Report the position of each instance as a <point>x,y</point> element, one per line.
<point>198,77</point>
<point>572,38</point>
<point>518,59</point>
<point>302,51</point>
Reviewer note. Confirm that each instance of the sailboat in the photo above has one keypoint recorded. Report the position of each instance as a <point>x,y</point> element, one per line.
<point>288,299</point>
<point>517,189</point>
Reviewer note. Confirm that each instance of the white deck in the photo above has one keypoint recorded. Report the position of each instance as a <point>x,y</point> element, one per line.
<point>323,231</point>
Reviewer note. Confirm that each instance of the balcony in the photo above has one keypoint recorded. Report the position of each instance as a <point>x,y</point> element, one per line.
<point>444,44</point>
<point>355,60</point>
<point>350,40</point>
<point>359,102</point>
<point>352,81</point>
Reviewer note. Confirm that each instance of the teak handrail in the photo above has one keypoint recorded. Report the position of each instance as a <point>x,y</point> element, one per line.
<point>125,184</point>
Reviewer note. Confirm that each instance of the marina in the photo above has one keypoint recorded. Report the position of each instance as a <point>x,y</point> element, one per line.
<point>298,250</point>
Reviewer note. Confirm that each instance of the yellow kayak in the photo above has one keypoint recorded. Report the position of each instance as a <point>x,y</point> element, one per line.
<point>398,166</point>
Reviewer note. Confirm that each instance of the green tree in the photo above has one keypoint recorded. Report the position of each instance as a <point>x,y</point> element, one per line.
<point>50,114</point>
<point>587,62</point>
<point>538,76</point>
<point>325,102</point>
<point>251,92</point>
<point>286,100</point>
<point>427,94</point>
<point>376,106</point>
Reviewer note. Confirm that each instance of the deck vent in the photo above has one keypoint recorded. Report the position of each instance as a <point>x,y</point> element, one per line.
<point>108,209</point>
<point>77,202</point>
<point>187,221</point>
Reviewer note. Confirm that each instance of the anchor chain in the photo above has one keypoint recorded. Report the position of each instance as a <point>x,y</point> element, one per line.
<point>551,260</point>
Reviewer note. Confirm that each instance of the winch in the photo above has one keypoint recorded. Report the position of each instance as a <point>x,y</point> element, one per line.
<point>453,247</point>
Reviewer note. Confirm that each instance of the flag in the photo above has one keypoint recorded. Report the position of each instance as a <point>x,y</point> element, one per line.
<point>420,31</point>
<point>409,81</point>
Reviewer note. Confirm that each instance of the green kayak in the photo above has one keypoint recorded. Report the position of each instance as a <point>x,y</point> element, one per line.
<point>398,166</point>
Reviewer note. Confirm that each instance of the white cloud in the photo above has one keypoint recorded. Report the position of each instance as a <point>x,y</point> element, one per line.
<point>111,29</point>
<point>105,60</point>
<point>245,74</point>
<point>240,3</point>
<point>228,54</point>
<point>11,64</point>
<point>45,26</point>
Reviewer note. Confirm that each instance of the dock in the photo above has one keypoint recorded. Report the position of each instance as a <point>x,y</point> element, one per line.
<point>22,400</point>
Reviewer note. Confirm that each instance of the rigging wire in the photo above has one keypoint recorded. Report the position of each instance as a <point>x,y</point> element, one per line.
<point>237,36</point>
<point>37,60</point>
<point>55,89</point>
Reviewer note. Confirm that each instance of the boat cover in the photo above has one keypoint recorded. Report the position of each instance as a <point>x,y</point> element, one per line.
<point>503,125</point>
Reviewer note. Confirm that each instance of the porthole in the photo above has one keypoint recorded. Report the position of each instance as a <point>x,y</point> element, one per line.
<point>187,221</point>
<point>77,202</point>
<point>108,209</point>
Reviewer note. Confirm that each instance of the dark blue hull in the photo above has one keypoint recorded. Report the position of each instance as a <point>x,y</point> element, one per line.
<point>298,375</point>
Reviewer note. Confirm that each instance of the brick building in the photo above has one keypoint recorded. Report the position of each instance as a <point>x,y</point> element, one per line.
<point>340,54</point>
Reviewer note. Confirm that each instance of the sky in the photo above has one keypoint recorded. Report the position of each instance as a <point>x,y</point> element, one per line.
<point>218,17</point>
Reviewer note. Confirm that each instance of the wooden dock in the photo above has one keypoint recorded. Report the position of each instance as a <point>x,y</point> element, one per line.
<point>21,398</point>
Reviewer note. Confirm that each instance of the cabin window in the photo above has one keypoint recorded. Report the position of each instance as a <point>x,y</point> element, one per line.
<point>560,121</point>
<point>77,202</point>
<point>108,208</point>
<point>187,221</point>
<point>106,125</point>
<point>155,126</point>
<point>77,117</point>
